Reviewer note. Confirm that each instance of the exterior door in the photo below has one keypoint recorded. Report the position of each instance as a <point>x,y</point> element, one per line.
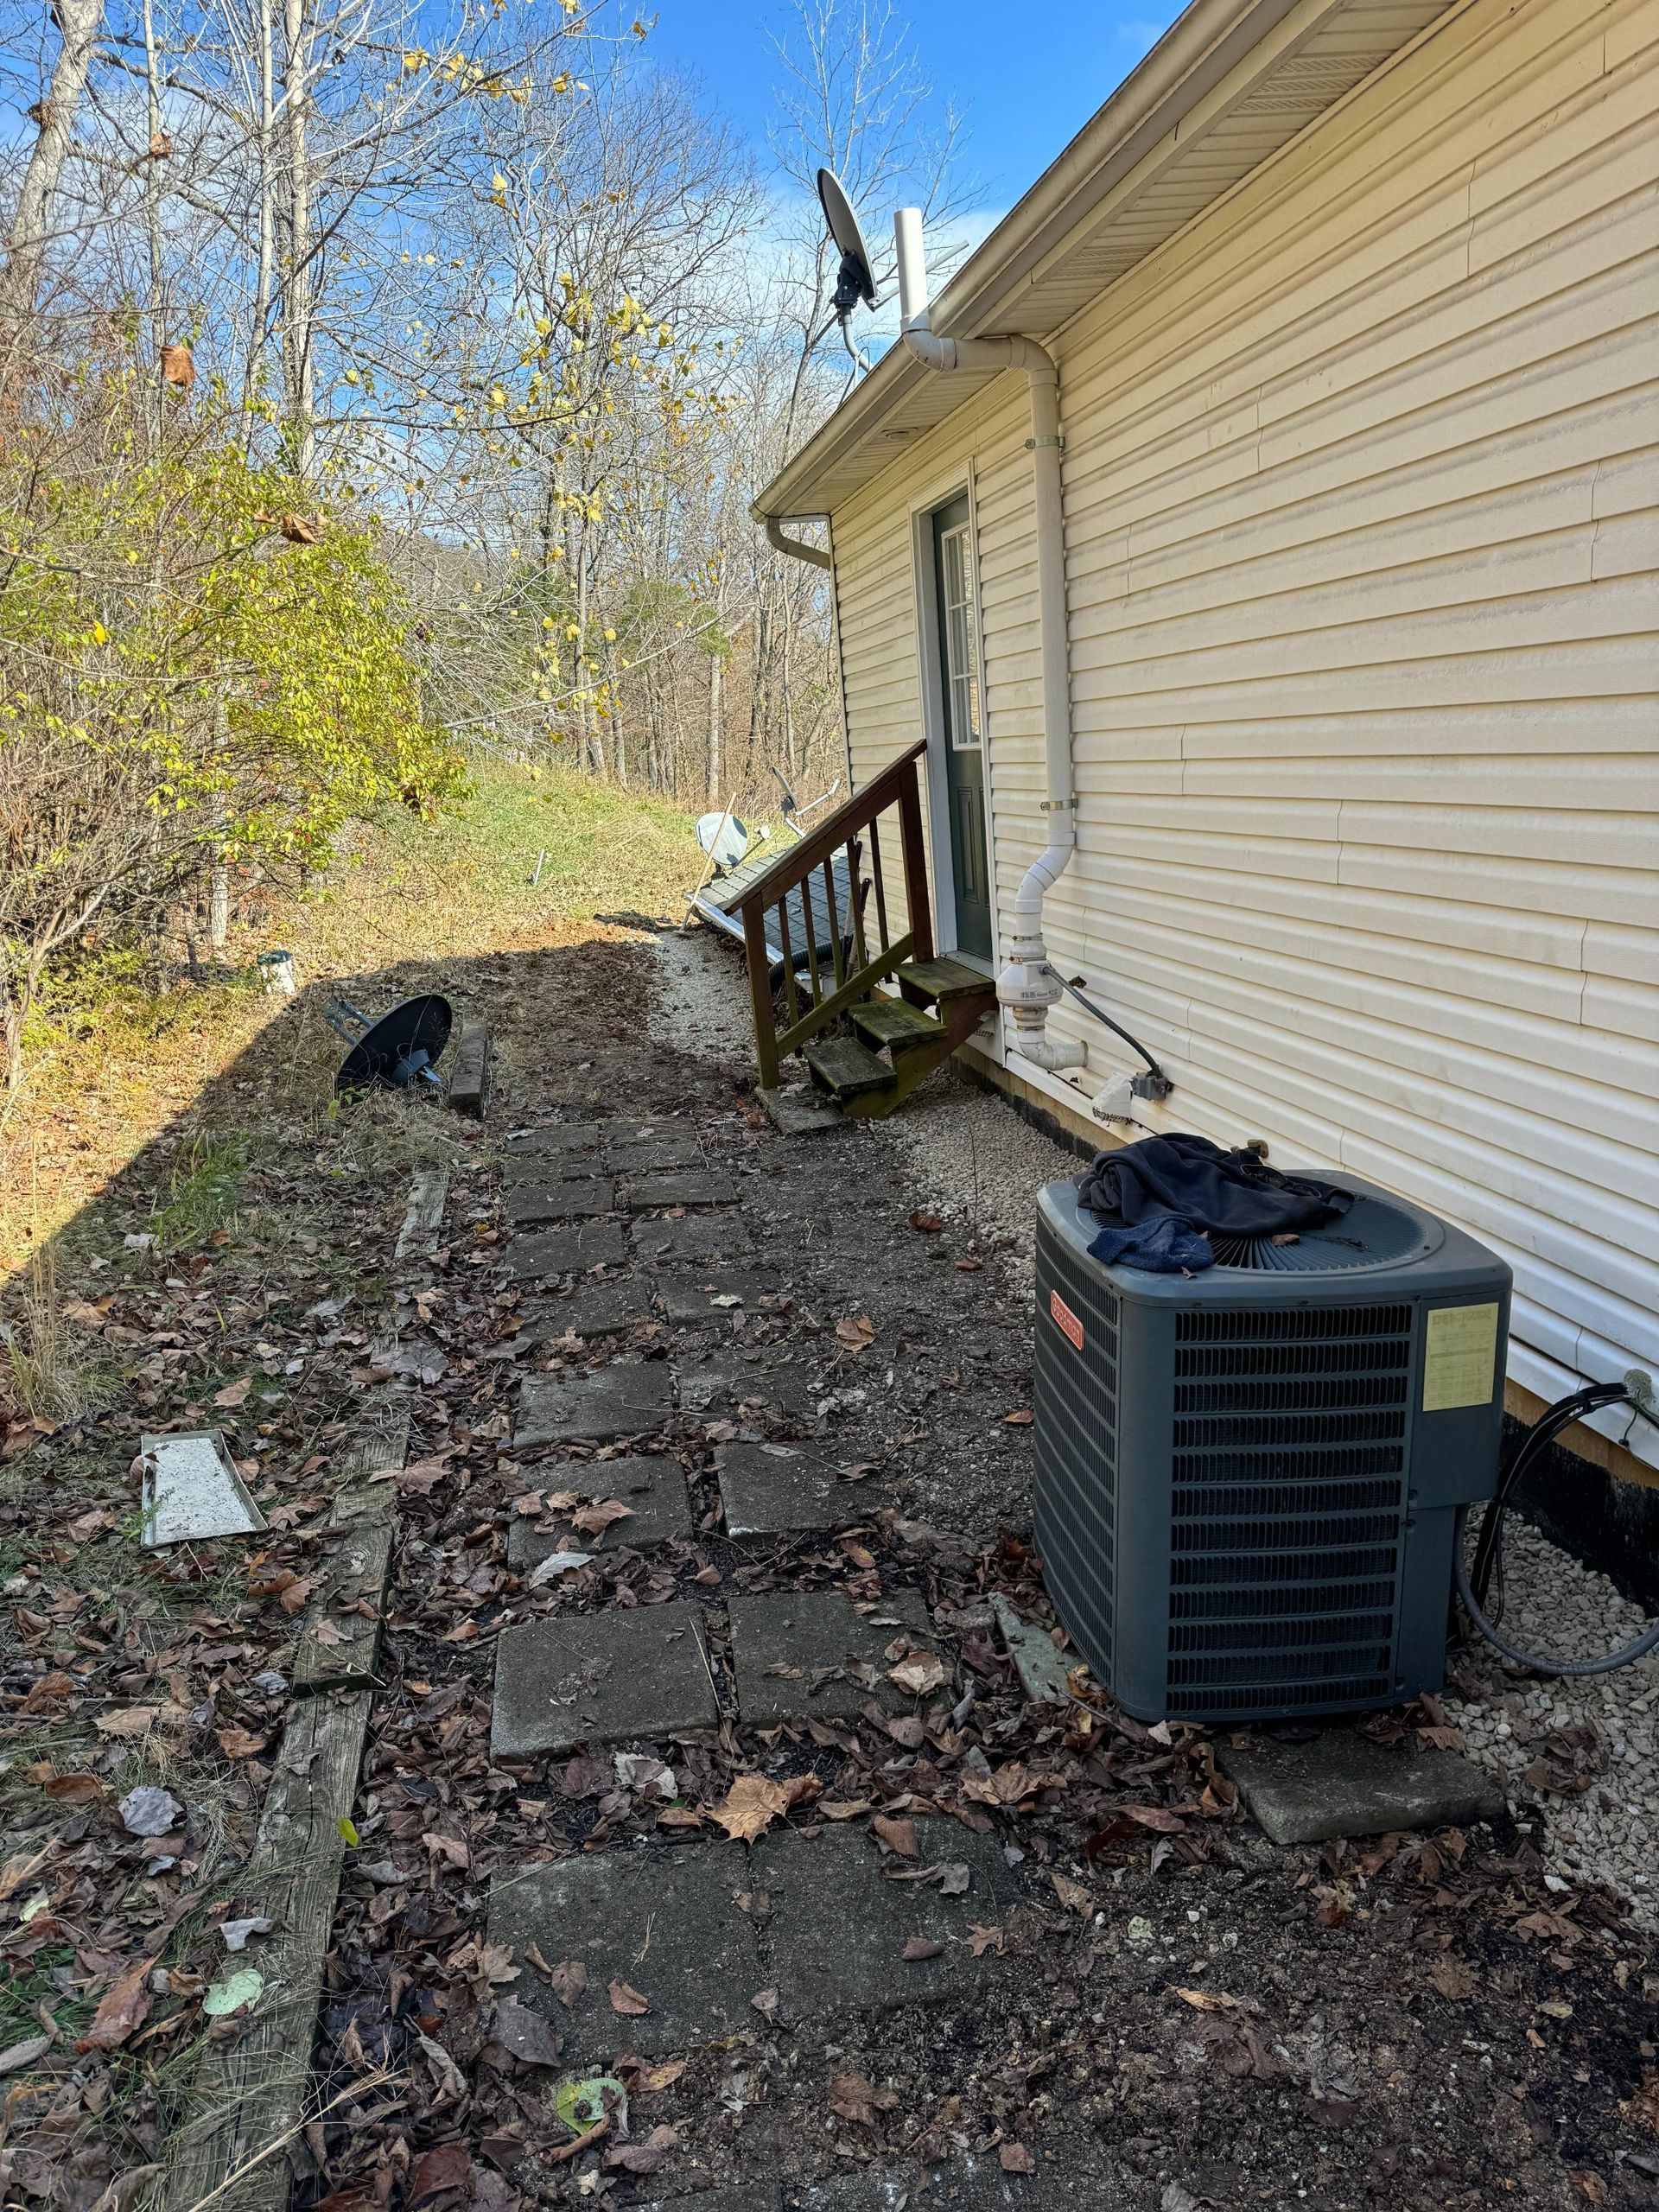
<point>965,722</point>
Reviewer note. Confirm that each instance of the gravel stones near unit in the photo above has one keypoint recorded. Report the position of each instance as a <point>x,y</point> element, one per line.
<point>640,1676</point>
<point>1604,1833</point>
<point>1341,1783</point>
<point>692,1237</point>
<point>652,1489</point>
<point>689,1187</point>
<point>841,1922</point>
<point>627,1398</point>
<point>967,2184</point>
<point>688,1298</point>
<point>530,1201</point>
<point>567,1251</point>
<point>810,1654</point>
<point>663,1923</point>
<point>776,1490</point>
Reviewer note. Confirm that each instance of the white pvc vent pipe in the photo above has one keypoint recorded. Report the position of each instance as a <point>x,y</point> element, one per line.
<point>1027,986</point>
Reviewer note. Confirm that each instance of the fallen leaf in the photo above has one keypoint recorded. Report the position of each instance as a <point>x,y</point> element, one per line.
<point>234,1393</point>
<point>856,1332</point>
<point>898,1835</point>
<point>594,1520</point>
<point>1072,1894</point>
<point>752,1804</point>
<point>525,2034</point>
<point>624,2000</point>
<point>49,1689</point>
<point>236,1932</point>
<point>1206,2001</point>
<point>123,2008</point>
<point>450,2166</point>
<point>240,1742</point>
<point>662,2077</point>
<point>132,1720</point>
<point>150,1810</point>
<point>1015,2158</point>
<point>921,1947</point>
<point>17,2055</point>
<point>232,1992</point>
<point>853,2099</point>
<point>928,1223</point>
<point>568,1978</point>
<point>1452,1979</point>
<point>643,2158</point>
<point>918,1673</point>
<point>74,1788</point>
<point>980,1940</point>
<point>1021,1417</point>
<point>765,2002</point>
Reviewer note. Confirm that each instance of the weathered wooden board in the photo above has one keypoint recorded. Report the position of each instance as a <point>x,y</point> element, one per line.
<point>424,1217</point>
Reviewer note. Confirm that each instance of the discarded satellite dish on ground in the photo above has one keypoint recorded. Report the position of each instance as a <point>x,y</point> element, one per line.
<point>399,1051</point>
<point>856,279</point>
<point>723,837</point>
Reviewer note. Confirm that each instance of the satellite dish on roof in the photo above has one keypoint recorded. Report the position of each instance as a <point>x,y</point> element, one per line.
<point>856,281</point>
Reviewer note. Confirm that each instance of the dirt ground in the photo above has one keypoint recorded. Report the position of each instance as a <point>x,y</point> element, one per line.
<point>1176,2013</point>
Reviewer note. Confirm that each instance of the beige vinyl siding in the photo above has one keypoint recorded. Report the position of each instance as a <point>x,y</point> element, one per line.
<point>1361,485</point>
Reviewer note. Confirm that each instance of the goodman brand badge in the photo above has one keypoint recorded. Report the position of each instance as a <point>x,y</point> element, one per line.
<point>1066,1319</point>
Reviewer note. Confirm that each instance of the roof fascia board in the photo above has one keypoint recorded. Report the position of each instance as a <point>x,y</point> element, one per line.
<point>1211,42</point>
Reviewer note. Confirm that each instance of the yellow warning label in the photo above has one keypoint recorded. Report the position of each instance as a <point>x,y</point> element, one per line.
<point>1460,1357</point>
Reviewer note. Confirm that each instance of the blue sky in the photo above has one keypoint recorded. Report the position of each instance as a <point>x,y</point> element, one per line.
<point>1024,79</point>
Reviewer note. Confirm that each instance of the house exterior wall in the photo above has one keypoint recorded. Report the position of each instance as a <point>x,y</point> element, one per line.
<point>1362,494</point>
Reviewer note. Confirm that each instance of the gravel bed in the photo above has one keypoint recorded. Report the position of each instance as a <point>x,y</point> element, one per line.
<point>971,1158</point>
<point>1595,1736</point>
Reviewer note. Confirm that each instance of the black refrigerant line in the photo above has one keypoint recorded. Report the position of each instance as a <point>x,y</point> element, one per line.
<point>1474,1583</point>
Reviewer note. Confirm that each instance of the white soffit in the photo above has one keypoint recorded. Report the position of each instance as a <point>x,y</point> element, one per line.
<point>1229,84</point>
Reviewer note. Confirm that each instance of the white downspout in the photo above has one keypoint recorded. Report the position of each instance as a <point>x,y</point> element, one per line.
<point>1028,986</point>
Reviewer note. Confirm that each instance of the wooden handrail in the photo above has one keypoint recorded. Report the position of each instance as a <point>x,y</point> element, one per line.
<point>856,965</point>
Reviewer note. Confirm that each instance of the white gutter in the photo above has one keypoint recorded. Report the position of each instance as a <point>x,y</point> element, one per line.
<point>1028,986</point>
<point>797,548</point>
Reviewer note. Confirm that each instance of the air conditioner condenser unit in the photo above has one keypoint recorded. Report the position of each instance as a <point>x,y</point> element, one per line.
<point>1246,1478</point>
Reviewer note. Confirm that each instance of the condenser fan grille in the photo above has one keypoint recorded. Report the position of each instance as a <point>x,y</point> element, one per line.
<point>1287,1505</point>
<point>1371,1233</point>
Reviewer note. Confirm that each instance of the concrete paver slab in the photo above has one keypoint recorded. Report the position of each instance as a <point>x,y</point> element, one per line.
<point>528,1200</point>
<point>723,1382</point>
<point>774,1490</point>
<point>839,1925</point>
<point>691,1186</point>
<point>759,2197</point>
<point>1041,1668</point>
<point>602,1678</point>
<point>625,1399</point>
<point>553,1139</point>
<point>567,1251</point>
<point>666,1149</point>
<point>664,1922</point>
<point>604,1308</point>
<point>967,2184</point>
<point>653,1489</point>
<point>789,1648</point>
<point>692,1237</point>
<point>1343,1784</point>
<point>690,1296</point>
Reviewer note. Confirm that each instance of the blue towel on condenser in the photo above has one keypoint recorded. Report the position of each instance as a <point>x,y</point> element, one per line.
<point>1164,1245</point>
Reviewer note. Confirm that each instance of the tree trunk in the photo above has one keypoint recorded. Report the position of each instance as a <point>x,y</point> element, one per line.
<point>219,906</point>
<point>79,22</point>
<point>299,306</point>
<point>716,669</point>
<point>265,280</point>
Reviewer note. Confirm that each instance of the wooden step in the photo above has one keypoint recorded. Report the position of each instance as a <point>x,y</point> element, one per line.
<point>845,1068</point>
<point>895,1022</point>
<point>933,983</point>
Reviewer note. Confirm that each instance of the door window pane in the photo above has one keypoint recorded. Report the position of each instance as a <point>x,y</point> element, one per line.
<point>961,643</point>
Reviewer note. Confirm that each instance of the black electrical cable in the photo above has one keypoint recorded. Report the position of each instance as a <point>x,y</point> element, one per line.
<point>1117,1028</point>
<point>1473,1584</point>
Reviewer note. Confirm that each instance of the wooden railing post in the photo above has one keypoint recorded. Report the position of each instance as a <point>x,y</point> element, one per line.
<point>760,966</point>
<point>912,853</point>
